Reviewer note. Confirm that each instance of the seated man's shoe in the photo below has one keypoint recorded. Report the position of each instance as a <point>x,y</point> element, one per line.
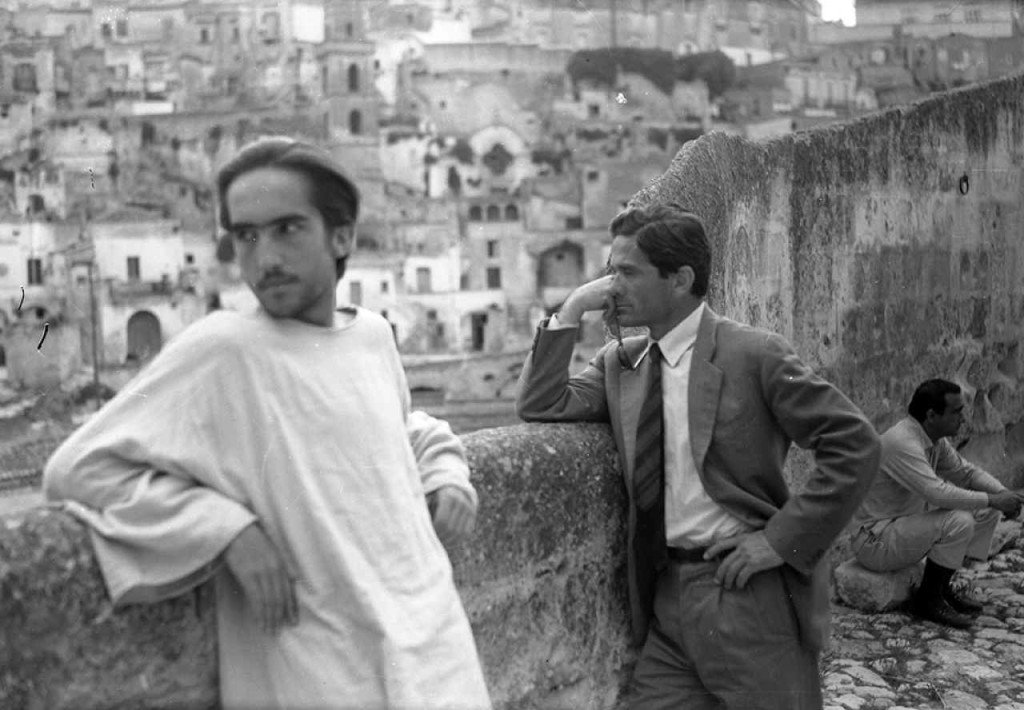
<point>935,608</point>
<point>963,602</point>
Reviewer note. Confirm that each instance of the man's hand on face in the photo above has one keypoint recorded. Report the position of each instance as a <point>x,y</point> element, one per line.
<point>1006,502</point>
<point>452,513</point>
<point>592,296</point>
<point>260,570</point>
<point>750,554</point>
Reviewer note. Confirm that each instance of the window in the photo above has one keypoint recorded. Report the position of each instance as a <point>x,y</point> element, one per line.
<point>574,223</point>
<point>384,286</point>
<point>593,111</point>
<point>493,277</point>
<point>190,258</point>
<point>511,213</point>
<point>348,29</point>
<point>353,78</point>
<point>355,293</point>
<point>133,268</point>
<point>355,123</point>
<point>35,271</point>
<point>972,15</point>
<point>106,30</point>
<point>24,77</point>
<point>593,175</point>
<point>122,28</point>
<point>236,35</point>
<point>475,213</point>
<point>492,248</point>
<point>493,213</point>
<point>204,36</point>
<point>423,284</point>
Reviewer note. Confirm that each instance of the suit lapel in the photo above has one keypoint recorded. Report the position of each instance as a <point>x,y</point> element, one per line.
<point>704,388</point>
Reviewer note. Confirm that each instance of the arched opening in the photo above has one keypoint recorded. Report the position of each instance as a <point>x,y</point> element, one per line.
<point>353,78</point>
<point>144,338</point>
<point>476,214</point>
<point>493,213</point>
<point>355,123</point>
<point>560,270</point>
<point>511,213</point>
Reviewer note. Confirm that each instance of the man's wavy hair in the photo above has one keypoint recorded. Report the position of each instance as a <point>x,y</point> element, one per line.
<point>931,394</point>
<point>333,195</point>
<point>671,237</point>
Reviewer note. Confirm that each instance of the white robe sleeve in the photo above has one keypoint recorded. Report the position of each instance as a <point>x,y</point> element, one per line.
<point>137,474</point>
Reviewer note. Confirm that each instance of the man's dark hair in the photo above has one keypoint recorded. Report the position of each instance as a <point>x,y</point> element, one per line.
<point>671,238</point>
<point>333,195</point>
<point>931,394</point>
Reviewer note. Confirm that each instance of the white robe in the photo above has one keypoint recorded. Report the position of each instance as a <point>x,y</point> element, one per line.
<point>307,430</point>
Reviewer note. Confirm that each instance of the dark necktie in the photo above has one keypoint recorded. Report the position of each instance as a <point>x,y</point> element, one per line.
<point>649,461</point>
<point>649,551</point>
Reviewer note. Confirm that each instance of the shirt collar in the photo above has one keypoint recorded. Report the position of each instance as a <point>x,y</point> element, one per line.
<point>918,431</point>
<point>681,338</point>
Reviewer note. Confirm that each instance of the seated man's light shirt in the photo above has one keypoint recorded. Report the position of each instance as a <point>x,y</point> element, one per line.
<point>692,517</point>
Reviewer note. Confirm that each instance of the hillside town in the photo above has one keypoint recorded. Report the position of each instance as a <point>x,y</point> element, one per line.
<point>491,141</point>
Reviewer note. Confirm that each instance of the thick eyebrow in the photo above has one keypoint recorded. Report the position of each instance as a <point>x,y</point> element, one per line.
<point>278,220</point>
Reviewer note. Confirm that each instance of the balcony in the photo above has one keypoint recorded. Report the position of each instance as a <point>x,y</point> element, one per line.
<point>128,291</point>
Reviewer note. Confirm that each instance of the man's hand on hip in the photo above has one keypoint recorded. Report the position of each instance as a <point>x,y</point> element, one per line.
<point>452,513</point>
<point>750,554</point>
<point>260,570</point>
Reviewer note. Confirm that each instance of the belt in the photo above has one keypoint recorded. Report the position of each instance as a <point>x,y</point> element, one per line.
<point>679,554</point>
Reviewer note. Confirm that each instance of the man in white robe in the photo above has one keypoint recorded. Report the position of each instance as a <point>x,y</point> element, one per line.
<point>275,451</point>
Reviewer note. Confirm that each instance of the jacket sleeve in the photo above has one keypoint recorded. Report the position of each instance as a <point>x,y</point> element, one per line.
<point>816,416</point>
<point>130,473</point>
<point>546,392</point>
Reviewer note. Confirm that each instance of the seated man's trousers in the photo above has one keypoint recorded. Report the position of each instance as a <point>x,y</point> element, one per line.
<point>945,537</point>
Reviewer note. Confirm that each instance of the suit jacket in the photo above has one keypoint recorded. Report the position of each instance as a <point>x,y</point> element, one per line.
<point>750,396</point>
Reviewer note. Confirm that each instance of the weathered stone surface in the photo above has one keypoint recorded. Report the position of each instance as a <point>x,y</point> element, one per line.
<point>875,591</point>
<point>542,582</point>
<point>1006,535</point>
<point>63,646</point>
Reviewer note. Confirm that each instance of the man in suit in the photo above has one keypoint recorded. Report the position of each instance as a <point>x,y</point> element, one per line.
<point>727,588</point>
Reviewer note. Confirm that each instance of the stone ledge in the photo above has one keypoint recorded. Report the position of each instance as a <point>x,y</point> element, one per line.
<point>863,589</point>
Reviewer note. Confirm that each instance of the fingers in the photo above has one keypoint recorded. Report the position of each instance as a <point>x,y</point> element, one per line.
<point>721,546</point>
<point>454,516</point>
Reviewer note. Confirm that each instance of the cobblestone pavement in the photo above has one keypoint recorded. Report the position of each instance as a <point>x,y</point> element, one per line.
<point>894,661</point>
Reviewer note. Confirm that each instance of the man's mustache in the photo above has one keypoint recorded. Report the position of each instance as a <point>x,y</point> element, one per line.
<point>275,279</point>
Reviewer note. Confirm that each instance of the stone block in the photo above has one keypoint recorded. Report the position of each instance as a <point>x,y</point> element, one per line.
<point>863,589</point>
<point>1006,535</point>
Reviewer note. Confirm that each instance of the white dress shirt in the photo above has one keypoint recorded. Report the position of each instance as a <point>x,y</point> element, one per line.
<point>692,518</point>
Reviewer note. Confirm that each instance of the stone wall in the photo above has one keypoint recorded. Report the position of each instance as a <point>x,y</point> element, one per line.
<point>889,249</point>
<point>861,242</point>
<point>543,590</point>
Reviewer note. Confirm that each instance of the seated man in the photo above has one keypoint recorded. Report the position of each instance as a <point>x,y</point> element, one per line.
<point>928,501</point>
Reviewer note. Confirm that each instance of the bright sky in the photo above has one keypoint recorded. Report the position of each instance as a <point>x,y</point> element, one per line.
<point>837,10</point>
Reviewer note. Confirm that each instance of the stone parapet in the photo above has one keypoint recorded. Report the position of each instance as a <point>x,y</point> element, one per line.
<point>542,581</point>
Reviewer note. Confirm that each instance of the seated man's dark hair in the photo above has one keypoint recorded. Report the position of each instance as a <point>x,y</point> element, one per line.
<point>333,195</point>
<point>931,394</point>
<point>671,237</point>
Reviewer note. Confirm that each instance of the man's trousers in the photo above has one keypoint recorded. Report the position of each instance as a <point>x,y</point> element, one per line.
<point>710,648</point>
<point>946,537</point>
